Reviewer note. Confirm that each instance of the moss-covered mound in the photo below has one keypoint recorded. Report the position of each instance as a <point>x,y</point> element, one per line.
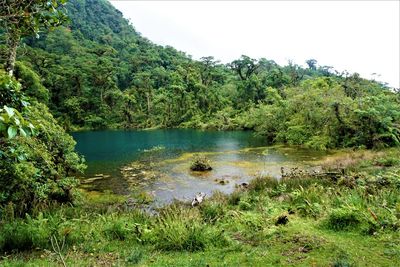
<point>200,163</point>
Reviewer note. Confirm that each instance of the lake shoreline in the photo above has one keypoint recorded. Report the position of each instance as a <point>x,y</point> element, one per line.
<point>320,221</point>
<point>159,160</point>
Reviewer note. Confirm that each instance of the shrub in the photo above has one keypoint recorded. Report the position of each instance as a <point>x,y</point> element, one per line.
<point>95,122</point>
<point>10,92</point>
<point>37,171</point>
<point>31,84</point>
<point>200,163</point>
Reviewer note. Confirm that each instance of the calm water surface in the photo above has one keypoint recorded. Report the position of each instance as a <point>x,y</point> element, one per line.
<point>236,156</point>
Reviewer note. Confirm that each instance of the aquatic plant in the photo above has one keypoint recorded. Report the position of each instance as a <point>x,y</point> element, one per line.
<point>200,163</point>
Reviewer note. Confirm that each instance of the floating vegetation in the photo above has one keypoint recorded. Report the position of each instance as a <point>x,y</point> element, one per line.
<point>95,178</point>
<point>222,181</point>
<point>154,149</point>
<point>139,173</point>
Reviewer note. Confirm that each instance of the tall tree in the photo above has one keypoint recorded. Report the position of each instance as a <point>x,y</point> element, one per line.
<point>21,18</point>
<point>244,67</point>
<point>312,64</point>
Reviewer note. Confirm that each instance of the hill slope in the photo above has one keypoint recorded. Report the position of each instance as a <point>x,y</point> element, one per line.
<point>101,73</point>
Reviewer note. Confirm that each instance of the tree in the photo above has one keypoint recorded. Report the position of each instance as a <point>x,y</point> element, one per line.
<point>21,18</point>
<point>312,64</point>
<point>207,67</point>
<point>244,67</point>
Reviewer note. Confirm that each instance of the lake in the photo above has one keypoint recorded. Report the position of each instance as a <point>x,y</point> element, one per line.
<point>158,161</point>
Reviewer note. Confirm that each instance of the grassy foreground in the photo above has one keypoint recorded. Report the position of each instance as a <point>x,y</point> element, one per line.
<point>351,219</point>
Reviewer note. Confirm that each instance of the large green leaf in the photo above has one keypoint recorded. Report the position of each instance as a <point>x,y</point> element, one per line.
<point>10,111</point>
<point>12,132</point>
<point>22,132</point>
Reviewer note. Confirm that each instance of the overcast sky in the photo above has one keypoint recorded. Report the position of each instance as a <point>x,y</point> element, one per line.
<point>358,36</point>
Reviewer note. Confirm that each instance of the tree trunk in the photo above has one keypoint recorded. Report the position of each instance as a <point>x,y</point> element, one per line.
<point>148,98</point>
<point>13,41</point>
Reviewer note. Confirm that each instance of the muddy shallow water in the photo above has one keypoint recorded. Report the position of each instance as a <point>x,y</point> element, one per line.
<point>158,161</point>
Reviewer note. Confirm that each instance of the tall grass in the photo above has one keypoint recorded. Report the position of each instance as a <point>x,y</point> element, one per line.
<point>178,229</point>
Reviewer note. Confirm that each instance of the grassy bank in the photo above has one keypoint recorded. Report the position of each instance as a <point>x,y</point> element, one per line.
<point>346,219</point>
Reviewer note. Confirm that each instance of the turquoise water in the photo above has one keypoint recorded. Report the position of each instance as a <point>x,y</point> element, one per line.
<point>106,151</point>
<point>164,157</point>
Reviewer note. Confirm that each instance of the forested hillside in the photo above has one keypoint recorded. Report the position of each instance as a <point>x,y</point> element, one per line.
<point>101,73</point>
<point>85,67</point>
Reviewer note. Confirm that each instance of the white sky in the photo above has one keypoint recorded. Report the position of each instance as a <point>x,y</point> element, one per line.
<point>357,36</point>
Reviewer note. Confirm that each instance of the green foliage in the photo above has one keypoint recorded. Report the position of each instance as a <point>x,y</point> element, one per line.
<point>244,205</point>
<point>22,18</point>
<point>31,83</point>
<point>200,163</point>
<point>307,201</point>
<point>30,18</point>
<point>12,124</point>
<point>10,91</point>
<point>212,211</point>
<point>179,230</point>
<point>37,159</point>
<point>102,74</point>
<point>318,114</point>
<point>135,256</point>
<point>353,225</point>
<point>391,159</point>
<point>261,183</point>
<point>343,219</point>
<point>234,198</point>
<point>118,229</point>
<point>25,235</point>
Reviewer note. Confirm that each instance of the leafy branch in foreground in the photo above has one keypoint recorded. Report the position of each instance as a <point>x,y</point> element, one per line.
<point>21,18</point>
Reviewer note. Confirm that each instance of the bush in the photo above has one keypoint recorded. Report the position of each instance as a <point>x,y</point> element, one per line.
<point>95,122</point>
<point>31,84</point>
<point>200,163</point>
<point>10,92</point>
<point>37,171</point>
<point>319,113</point>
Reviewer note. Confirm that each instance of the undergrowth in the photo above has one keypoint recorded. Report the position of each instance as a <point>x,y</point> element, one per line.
<point>361,207</point>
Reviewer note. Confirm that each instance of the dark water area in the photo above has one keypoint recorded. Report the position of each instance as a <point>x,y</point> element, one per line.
<point>236,156</point>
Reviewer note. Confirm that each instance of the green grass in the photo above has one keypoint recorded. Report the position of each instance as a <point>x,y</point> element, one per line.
<point>330,223</point>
